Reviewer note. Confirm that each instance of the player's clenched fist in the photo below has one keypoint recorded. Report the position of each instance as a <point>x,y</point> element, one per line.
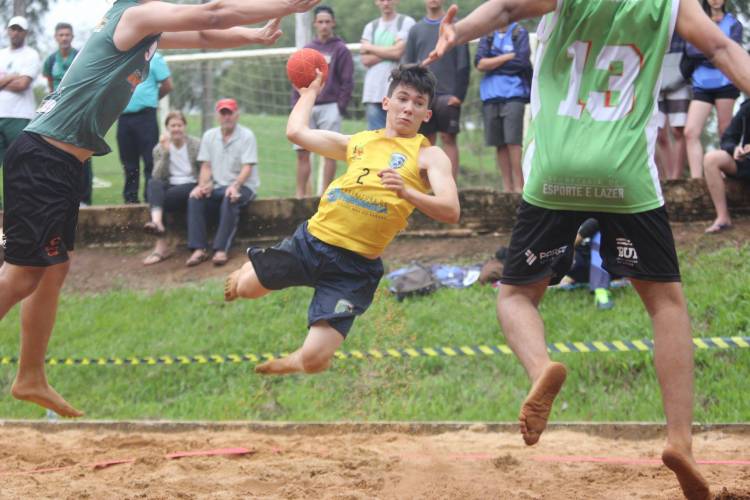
<point>392,180</point>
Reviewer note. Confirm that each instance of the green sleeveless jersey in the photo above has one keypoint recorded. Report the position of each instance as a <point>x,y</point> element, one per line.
<point>96,87</point>
<point>592,138</point>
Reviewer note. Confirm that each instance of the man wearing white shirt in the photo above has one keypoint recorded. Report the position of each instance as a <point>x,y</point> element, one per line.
<point>383,44</point>
<point>19,66</point>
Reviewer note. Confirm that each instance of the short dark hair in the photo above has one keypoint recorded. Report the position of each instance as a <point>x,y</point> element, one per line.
<point>415,76</point>
<point>63,26</point>
<point>325,9</point>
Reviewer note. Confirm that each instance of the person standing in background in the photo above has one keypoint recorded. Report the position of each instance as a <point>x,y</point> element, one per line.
<point>674,101</point>
<point>53,70</point>
<point>19,66</point>
<point>138,129</point>
<point>331,103</point>
<point>452,72</point>
<point>711,87</point>
<point>504,57</point>
<point>383,44</point>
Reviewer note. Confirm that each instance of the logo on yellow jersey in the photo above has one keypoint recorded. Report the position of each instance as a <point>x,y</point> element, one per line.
<point>397,160</point>
<point>358,152</point>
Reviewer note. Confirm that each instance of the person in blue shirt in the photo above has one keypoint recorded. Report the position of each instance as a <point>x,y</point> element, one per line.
<point>711,87</point>
<point>504,58</point>
<point>138,129</point>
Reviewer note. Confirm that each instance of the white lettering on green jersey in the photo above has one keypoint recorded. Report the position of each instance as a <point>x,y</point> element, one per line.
<point>592,138</point>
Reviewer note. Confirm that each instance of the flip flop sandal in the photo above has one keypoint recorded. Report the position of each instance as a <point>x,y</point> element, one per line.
<point>718,228</point>
<point>159,258</point>
<point>194,261</point>
<point>220,262</point>
<point>152,229</point>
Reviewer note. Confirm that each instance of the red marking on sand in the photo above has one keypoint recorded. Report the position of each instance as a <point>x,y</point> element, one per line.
<point>108,463</point>
<point>626,461</point>
<point>209,453</point>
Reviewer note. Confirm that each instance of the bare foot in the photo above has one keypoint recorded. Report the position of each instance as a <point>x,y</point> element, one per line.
<point>46,397</point>
<point>538,404</point>
<point>693,485</point>
<point>280,366</point>
<point>230,286</point>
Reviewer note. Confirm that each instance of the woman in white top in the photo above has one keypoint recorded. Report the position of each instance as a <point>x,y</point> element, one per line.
<point>175,175</point>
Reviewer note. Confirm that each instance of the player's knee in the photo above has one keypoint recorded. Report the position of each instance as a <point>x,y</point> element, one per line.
<point>713,160</point>
<point>315,362</point>
<point>693,133</point>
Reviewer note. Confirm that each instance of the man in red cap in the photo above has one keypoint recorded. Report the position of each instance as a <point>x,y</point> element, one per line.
<point>228,181</point>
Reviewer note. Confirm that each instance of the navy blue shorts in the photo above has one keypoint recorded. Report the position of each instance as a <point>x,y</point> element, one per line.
<point>344,281</point>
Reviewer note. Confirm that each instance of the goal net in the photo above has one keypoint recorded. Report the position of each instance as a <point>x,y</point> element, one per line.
<point>257,80</point>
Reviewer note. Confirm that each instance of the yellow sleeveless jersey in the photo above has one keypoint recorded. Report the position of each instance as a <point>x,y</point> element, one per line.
<point>356,212</point>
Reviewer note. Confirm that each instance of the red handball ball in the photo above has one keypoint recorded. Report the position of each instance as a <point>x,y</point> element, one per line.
<point>301,66</point>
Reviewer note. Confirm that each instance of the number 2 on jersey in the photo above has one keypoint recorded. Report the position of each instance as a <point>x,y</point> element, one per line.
<point>365,171</point>
<point>621,80</point>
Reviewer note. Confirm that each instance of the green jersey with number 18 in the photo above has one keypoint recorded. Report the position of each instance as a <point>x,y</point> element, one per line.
<point>593,101</point>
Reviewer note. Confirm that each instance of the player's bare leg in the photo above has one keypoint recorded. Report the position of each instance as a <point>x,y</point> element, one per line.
<point>524,330</point>
<point>313,357</point>
<point>673,358</point>
<point>244,283</point>
<point>38,313</point>
<point>17,283</point>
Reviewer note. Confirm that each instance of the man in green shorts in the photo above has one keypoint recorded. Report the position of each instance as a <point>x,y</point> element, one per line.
<point>590,153</point>
<point>43,166</point>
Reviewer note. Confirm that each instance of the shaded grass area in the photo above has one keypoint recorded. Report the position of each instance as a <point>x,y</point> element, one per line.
<point>277,160</point>
<point>193,320</point>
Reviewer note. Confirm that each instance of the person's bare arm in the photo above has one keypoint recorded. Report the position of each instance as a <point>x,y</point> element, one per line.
<point>442,205</point>
<point>369,60</point>
<point>484,19</point>
<point>490,63</point>
<point>151,18</point>
<point>165,87</point>
<point>18,84</point>
<point>323,142</point>
<point>222,39</point>
<point>391,53</point>
<point>205,182</point>
<point>697,28</point>
<point>233,191</point>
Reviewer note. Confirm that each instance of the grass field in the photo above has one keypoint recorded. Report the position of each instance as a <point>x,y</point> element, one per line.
<point>193,320</point>
<point>277,161</point>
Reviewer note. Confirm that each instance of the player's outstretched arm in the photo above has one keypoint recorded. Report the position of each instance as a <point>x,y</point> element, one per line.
<point>697,28</point>
<point>323,142</point>
<point>443,204</point>
<point>223,39</point>
<point>488,17</point>
<point>150,18</point>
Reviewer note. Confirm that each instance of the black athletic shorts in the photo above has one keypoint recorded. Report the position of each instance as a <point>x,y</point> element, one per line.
<point>710,95</point>
<point>444,118</point>
<point>743,169</point>
<point>42,193</point>
<point>344,281</point>
<point>638,245</point>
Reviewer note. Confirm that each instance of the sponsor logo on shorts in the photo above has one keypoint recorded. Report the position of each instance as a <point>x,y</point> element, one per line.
<point>343,306</point>
<point>626,253</point>
<point>46,106</point>
<point>544,256</point>
<point>53,247</point>
<point>397,161</point>
<point>530,257</point>
<point>2,238</point>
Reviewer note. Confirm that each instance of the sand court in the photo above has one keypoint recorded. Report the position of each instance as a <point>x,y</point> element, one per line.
<point>389,460</point>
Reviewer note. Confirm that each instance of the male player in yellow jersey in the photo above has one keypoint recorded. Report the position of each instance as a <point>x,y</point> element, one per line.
<point>337,251</point>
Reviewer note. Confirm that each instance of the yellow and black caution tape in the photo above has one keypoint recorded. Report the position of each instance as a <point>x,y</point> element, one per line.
<point>406,352</point>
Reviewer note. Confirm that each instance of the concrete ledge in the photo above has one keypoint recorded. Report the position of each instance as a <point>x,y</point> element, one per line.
<point>626,430</point>
<point>482,211</point>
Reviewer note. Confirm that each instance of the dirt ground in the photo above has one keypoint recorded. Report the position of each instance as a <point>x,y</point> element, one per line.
<point>382,464</point>
<point>97,269</point>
